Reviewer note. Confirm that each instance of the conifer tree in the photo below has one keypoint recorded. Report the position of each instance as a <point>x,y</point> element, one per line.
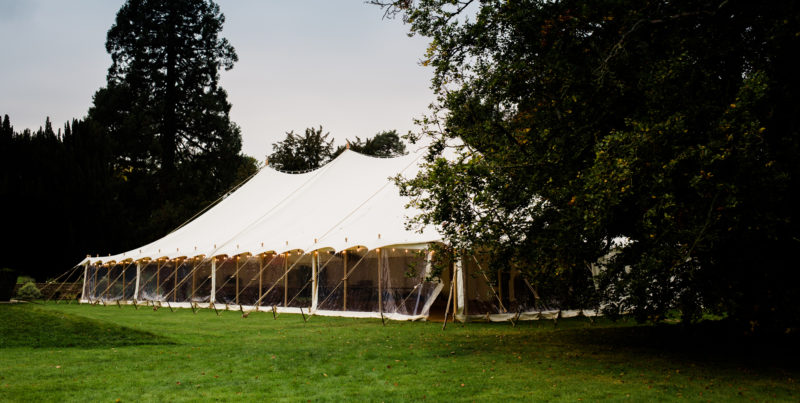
<point>165,111</point>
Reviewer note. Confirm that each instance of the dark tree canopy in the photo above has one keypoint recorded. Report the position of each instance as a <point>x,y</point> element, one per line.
<point>313,149</point>
<point>673,125</point>
<point>58,188</point>
<point>166,115</point>
<point>384,144</point>
<point>157,145</point>
<point>302,152</point>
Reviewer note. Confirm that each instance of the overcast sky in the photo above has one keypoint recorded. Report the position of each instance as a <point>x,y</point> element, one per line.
<point>301,63</point>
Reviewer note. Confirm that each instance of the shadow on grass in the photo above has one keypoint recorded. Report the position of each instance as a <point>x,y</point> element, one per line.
<point>710,342</point>
<point>29,326</point>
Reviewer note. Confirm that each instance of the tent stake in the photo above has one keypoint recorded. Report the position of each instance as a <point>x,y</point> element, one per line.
<point>304,315</point>
<point>274,316</point>
<point>119,305</point>
<point>134,304</point>
<point>169,306</point>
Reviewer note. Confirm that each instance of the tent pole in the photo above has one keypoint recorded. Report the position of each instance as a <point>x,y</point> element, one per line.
<point>454,279</point>
<point>175,283</point>
<point>260,278</point>
<point>213,296</point>
<point>286,281</point>
<point>108,281</point>
<point>194,284</point>
<point>236,273</point>
<point>85,279</point>
<point>380,286</point>
<point>123,282</point>
<point>158,279</point>
<point>344,300</point>
<point>138,277</point>
<point>314,274</point>
<point>96,269</point>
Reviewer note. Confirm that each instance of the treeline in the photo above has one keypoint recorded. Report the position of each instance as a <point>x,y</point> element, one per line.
<point>65,193</point>
<point>58,191</point>
<point>313,149</point>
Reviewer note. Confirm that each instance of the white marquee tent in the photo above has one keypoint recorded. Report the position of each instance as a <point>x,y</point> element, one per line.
<point>332,241</point>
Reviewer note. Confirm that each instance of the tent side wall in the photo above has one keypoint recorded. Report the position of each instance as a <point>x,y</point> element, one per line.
<point>392,282</point>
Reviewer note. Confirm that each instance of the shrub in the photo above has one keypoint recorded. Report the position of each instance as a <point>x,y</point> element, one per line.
<point>25,279</point>
<point>29,292</point>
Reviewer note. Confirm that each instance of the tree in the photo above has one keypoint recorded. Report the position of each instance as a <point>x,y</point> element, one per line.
<point>301,153</point>
<point>664,132</point>
<point>165,111</point>
<point>384,144</point>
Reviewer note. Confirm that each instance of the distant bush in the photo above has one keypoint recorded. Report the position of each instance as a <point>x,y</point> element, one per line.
<point>25,279</point>
<point>29,292</point>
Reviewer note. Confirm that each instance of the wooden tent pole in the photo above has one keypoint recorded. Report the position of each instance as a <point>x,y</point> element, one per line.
<point>108,281</point>
<point>96,269</point>
<point>213,296</point>
<point>85,279</point>
<point>236,274</point>
<point>344,276</point>
<point>175,283</point>
<point>260,278</point>
<point>314,271</point>
<point>158,277</point>
<point>194,282</point>
<point>138,279</point>
<point>286,280</point>
<point>123,281</point>
<point>380,281</point>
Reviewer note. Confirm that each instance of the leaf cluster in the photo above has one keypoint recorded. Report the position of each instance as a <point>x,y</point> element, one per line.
<point>655,140</point>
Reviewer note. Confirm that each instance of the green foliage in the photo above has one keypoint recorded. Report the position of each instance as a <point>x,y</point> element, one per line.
<point>156,147</point>
<point>165,114</point>
<point>162,356</point>
<point>314,149</point>
<point>29,292</point>
<point>25,279</point>
<point>384,144</point>
<point>574,125</point>
<point>301,153</point>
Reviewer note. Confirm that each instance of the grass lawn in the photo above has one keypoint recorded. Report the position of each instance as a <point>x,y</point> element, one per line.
<point>96,353</point>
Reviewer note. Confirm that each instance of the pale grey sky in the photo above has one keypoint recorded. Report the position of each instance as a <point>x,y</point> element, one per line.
<point>301,63</point>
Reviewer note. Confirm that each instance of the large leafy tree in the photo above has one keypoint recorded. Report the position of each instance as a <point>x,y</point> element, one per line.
<point>163,107</point>
<point>659,136</point>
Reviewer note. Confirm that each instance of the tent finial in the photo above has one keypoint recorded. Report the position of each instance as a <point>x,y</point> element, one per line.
<point>266,161</point>
<point>348,144</point>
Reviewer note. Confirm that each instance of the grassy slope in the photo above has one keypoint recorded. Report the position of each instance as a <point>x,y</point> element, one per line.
<point>231,358</point>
